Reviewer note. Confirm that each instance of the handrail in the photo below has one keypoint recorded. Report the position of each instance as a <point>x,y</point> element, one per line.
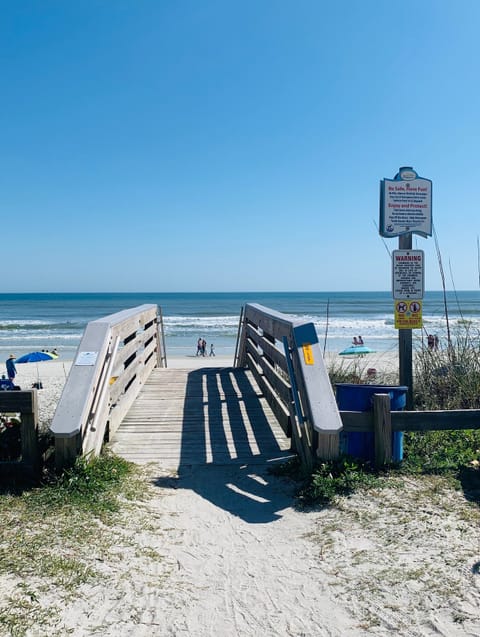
<point>114,358</point>
<point>284,355</point>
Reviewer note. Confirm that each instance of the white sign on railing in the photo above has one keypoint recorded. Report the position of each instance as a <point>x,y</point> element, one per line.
<point>86,358</point>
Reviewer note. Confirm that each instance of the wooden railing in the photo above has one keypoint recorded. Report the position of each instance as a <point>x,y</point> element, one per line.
<point>285,358</point>
<point>382,422</point>
<point>26,404</point>
<point>114,358</point>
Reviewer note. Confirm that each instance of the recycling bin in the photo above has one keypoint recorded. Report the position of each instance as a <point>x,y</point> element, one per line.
<point>352,397</point>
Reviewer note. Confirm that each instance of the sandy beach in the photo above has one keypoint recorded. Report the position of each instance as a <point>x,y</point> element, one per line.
<point>223,551</point>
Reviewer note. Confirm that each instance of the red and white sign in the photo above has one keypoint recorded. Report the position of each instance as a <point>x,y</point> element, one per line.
<point>406,204</point>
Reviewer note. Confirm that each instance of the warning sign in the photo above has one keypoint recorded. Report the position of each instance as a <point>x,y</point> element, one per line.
<point>407,274</point>
<point>408,315</point>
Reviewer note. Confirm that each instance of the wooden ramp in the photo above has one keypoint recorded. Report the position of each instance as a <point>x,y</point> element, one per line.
<point>201,416</point>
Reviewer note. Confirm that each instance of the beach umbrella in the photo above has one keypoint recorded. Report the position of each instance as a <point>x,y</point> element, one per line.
<point>357,350</point>
<point>36,357</point>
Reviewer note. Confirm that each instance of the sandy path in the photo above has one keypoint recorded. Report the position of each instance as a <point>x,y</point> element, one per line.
<point>224,553</point>
<point>243,558</point>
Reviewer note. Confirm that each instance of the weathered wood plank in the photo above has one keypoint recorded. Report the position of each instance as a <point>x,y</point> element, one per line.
<point>454,419</point>
<point>382,426</point>
<point>210,415</point>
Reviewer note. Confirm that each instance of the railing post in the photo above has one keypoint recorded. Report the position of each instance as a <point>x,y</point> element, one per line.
<point>161,350</point>
<point>300,433</point>
<point>30,439</point>
<point>66,451</point>
<point>240,352</point>
<point>382,427</point>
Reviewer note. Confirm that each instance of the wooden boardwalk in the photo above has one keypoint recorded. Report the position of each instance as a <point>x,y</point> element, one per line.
<point>200,416</point>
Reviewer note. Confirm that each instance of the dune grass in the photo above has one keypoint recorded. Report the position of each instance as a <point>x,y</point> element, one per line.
<point>55,535</point>
<point>444,379</point>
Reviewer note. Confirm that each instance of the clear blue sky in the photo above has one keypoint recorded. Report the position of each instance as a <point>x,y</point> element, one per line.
<point>156,145</point>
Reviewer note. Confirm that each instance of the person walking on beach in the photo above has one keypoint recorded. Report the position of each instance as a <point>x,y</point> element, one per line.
<point>204,347</point>
<point>11,369</point>
<point>199,347</point>
<point>212,350</point>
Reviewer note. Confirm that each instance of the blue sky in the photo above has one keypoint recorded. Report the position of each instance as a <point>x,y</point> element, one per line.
<point>151,145</point>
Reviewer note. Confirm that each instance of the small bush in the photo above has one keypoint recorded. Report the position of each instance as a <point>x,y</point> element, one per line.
<point>92,483</point>
<point>338,478</point>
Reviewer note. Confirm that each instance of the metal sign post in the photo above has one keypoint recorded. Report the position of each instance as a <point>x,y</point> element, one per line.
<point>405,355</point>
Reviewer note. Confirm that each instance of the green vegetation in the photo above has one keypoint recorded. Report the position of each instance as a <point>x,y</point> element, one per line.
<point>337,478</point>
<point>93,485</point>
<point>55,535</point>
<point>357,371</point>
<point>448,379</point>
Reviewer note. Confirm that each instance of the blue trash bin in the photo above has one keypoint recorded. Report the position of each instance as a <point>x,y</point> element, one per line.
<point>352,397</point>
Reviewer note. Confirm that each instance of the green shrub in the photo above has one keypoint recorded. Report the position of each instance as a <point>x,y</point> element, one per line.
<point>338,478</point>
<point>93,483</point>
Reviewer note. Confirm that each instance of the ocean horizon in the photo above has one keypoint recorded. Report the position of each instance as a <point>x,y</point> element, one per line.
<point>36,321</point>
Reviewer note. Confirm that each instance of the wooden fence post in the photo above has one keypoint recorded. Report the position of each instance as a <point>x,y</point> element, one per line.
<point>29,437</point>
<point>66,451</point>
<point>382,427</point>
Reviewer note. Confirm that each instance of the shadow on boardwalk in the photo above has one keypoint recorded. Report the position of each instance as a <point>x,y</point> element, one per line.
<point>228,443</point>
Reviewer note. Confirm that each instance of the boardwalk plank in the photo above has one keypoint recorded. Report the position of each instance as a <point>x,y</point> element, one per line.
<point>208,415</point>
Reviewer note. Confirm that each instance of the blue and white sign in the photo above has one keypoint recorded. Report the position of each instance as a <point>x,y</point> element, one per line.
<point>405,204</point>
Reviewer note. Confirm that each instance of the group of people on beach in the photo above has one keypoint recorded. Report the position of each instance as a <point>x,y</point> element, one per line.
<point>202,348</point>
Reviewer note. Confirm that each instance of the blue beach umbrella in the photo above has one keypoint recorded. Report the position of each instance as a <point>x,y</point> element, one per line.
<point>35,357</point>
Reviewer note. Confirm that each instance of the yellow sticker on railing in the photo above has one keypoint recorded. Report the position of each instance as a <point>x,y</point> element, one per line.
<point>308,354</point>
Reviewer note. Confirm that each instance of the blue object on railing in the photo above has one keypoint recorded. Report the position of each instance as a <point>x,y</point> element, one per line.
<point>352,397</point>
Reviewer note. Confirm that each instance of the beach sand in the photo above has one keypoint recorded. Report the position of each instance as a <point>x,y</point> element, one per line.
<point>222,551</point>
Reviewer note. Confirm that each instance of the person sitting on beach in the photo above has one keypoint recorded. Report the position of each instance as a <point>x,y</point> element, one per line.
<point>355,341</point>
<point>5,383</point>
<point>360,340</point>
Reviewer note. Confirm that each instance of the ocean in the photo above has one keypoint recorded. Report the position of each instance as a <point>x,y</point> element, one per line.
<point>30,322</point>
